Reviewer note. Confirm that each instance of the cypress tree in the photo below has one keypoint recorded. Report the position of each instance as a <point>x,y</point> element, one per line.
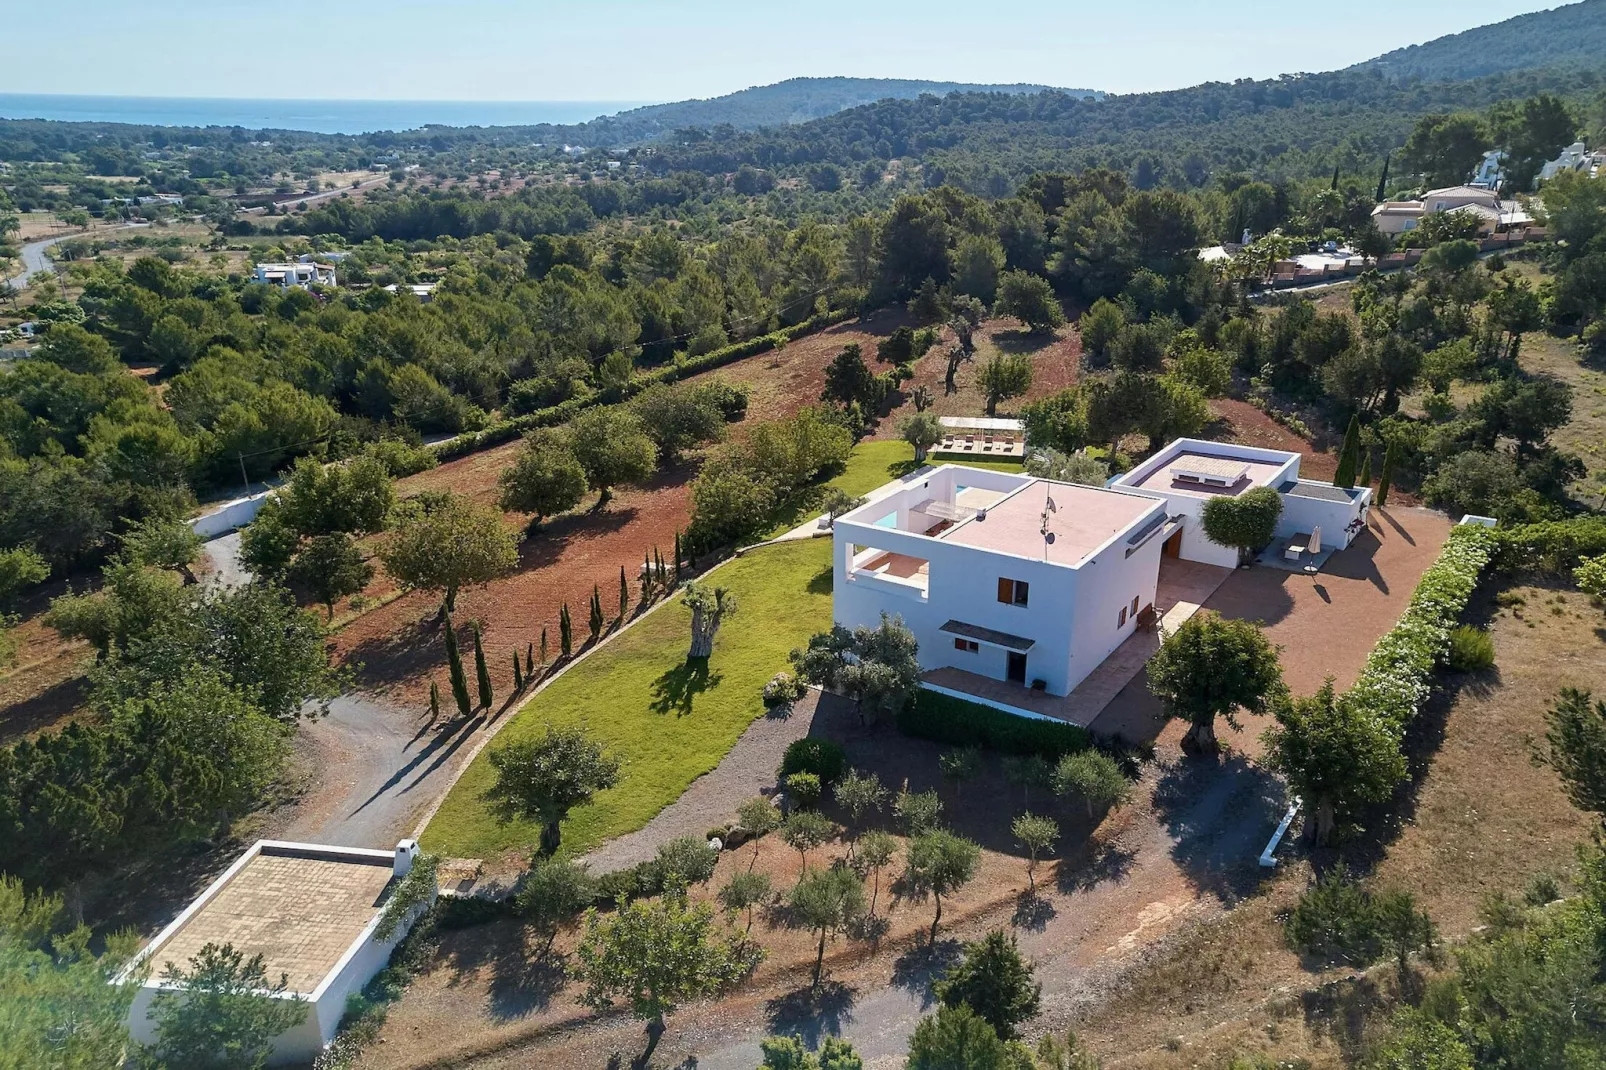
<point>1349,455</point>
<point>529,656</point>
<point>565,632</point>
<point>677,557</point>
<point>543,646</point>
<point>1383,179</point>
<point>646,578</point>
<point>518,673</point>
<point>454,670</point>
<point>596,620</point>
<point>658,565</point>
<point>1335,176</point>
<point>1387,476</point>
<point>1366,468</point>
<point>624,593</point>
<point>434,700</point>
<point>482,672</point>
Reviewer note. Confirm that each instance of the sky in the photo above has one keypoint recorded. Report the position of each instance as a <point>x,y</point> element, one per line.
<point>637,50</point>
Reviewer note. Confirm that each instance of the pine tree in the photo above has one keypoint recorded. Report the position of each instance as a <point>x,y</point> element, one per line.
<point>434,701</point>
<point>1366,468</point>
<point>596,620</point>
<point>1387,477</point>
<point>543,647</point>
<point>454,670</point>
<point>1349,455</point>
<point>565,632</point>
<point>482,672</point>
<point>518,674</point>
<point>624,593</point>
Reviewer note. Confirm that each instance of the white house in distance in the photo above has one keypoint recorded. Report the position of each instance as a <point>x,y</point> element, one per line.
<point>1033,582</point>
<point>310,911</point>
<point>286,276</point>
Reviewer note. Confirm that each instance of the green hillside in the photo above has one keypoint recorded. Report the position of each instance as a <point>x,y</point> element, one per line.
<point>1574,35</point>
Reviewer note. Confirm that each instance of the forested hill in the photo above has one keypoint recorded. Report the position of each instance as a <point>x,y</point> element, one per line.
<point>1574,35</point>
<point>795,100</point>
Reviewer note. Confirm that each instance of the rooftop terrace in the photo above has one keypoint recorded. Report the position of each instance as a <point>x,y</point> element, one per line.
<point>1207,475</point>
<point>1084,519</point>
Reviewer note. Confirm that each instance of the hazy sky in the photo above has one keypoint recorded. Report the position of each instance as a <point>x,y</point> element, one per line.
<point>640,50</point>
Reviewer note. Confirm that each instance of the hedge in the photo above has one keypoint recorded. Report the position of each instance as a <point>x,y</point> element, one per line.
<point>682,367</point>
<point>1552,549</point>
<point>1398,676</point>
<point>945,719</point>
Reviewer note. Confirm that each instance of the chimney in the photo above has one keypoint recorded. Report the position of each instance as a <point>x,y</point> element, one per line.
<point>406,852</point>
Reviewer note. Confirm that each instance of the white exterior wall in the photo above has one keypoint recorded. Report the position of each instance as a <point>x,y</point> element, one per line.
<point>1071,612</point>
<point>1301,514</point>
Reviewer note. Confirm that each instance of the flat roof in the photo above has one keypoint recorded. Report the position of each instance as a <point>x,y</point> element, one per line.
<point>1165,479</point>
<point>1084,519</point>
<point>299,909</point>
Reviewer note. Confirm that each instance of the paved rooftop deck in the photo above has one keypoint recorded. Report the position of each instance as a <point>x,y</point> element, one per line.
<point>1257,474</point>
<point>300,913</point>
<point>1085,519</point>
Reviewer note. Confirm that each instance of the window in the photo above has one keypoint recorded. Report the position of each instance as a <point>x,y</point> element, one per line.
<point>1121,620</point>
<point>969,646</point>
<point>1012,592</point>
<point>1134,605</point>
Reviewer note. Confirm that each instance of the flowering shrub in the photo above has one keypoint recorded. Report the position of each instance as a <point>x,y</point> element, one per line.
<point>1398,675</point>
<point>782,690</point>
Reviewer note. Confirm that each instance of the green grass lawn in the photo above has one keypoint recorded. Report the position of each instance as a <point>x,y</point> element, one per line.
<point>636,699</point>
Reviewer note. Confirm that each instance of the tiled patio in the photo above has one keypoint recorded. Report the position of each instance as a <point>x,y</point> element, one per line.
<point>1184,587</point>
<point>1276,556</point>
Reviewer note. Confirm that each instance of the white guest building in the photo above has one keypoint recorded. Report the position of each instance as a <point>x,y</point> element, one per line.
<point>1033,582</point>
<point>301,274</point>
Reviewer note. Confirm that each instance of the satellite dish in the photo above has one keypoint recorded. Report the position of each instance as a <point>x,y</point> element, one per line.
<point>981,514</point>
<point>1049,538</point>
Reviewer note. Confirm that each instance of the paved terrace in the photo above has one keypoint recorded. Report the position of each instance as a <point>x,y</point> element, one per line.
<point>300,913</point>
<point>1164,478</point>
<point>1085,519</point>
<point>1184,587</point>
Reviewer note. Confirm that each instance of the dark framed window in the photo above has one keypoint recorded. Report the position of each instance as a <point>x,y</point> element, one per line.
<point>1134,604</point>
<point>1013,592</point>
<point>969,646</point>
<point>1120,622</point>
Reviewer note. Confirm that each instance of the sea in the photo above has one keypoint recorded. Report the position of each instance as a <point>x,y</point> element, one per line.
<point>318,116</point>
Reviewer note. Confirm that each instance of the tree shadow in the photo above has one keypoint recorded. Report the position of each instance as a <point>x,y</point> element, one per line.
<point>822,582</point>
<point>812,1014</point>
<point>44,710</point>
<point>676,690</point>
<point>918,969</point>
<point>1033,912</point>
<point>1102,862</point>
<point>522,984</point>
<point>1219,812</point>
<point>1341,1011</point>
<point>1358,561</point>
<point>1022,340</point>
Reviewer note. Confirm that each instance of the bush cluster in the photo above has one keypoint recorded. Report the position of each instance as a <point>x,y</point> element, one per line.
<point>1551,549</point>
<point>944,719</point>
<point>552,415</point>
<point>823,758</point>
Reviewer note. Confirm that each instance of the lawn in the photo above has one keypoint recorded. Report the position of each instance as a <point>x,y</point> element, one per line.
<point>637,700</point>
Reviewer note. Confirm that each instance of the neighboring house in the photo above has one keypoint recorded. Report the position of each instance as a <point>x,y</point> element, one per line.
<point>285,276</point>
<point>1575,157</point>
<point>1396,217</point>
<point>424,291</point>
<point>1033,582</point>
<point>1490,172</point>
<point>310,911</point>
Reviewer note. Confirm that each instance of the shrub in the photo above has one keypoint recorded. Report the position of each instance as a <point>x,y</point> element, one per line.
<point>1335,921</point>
<point>804,788</point>
<point>1246,522</point>
<point>1471,649</point>
<point>1551,549</point>
<point>822,757</point>
<point>943,719</point>
<point>783,689</point>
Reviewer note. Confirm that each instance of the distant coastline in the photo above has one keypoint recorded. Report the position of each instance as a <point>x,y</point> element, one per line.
<point>317,116</point>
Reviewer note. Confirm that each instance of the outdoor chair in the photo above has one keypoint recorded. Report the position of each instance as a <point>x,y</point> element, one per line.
<point>1296,546</point>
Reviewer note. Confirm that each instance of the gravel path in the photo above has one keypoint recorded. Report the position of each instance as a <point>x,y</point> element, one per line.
<point>747,770</point>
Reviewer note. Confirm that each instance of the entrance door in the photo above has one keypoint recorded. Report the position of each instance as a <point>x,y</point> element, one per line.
<point>1017,667</point>
<point>1172,547</point>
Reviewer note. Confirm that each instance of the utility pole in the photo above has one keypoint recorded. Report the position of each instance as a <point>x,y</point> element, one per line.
<point>244,479</point>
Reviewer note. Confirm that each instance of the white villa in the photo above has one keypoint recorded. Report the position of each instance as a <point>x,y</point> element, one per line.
<point>300,274</point>
<point>310,910</point>
<point>1033,583</point>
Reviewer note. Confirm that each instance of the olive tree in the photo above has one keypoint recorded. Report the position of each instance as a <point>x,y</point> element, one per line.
<point>448,542</point>
<point>613,447</point>
<point>828,902</point>
<point>922,430</point>
<point>709,607</point>
<point>1211,667</point>
<point>938,863</point>
<point>544,777</point>
<point>545,478</point>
